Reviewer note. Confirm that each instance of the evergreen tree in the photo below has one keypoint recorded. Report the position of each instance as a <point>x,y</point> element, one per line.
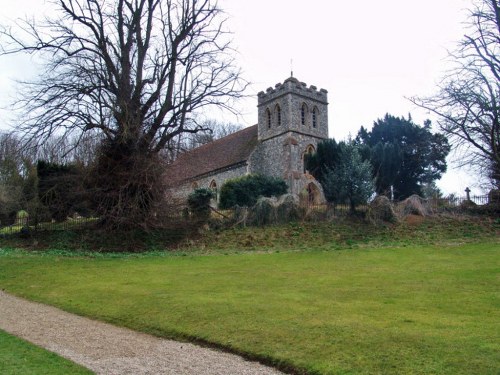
<point>326,158</point>
<point>343,170</point>
<point>60,188</point>
<point>404,156</point>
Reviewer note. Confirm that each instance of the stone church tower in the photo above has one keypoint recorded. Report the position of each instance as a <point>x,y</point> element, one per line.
<point>292,120</point>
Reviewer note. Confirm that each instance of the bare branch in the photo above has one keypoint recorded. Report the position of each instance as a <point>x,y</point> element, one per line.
<point>134,72</point>
<point>468,101</point>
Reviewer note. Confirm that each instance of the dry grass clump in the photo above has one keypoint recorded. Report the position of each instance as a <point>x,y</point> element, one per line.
<point>381,210</point>
<point>269,211</point>
<point>413,205</point>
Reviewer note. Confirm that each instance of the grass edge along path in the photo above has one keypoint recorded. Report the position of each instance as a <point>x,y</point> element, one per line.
<point>418,309</point>
<point>20,357</point>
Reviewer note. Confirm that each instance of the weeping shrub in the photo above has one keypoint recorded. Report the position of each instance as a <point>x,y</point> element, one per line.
<point>244,191</point>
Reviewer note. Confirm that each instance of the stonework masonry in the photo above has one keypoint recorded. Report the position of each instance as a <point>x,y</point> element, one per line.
<point>207,181</point>
<point>289,99</point>
<point>292,120</point>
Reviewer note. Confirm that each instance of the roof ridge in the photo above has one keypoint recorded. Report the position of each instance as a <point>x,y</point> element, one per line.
<point>232,135</point>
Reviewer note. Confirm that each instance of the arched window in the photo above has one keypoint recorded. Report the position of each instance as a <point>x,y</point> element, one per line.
<point>213,187</point>
<point>309,151</point>
<point>278,114</point>
<point>303,113</point>
<point>315,117</point>
<point>268,118</point>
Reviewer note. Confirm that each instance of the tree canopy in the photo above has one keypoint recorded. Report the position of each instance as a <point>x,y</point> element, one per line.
<point>134,72</point>
<point>404,156</point>
<point>350,179</point>
<point>342,172</point>
<point>326,158</point>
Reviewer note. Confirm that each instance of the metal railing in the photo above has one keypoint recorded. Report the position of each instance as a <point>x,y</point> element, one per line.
<point>476,203</point>
<point>27,224</point>
<point>452,204</point>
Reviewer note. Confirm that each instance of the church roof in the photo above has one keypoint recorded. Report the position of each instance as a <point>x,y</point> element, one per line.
<point>223,153</point>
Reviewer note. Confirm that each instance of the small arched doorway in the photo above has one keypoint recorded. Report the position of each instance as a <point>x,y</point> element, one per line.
<point>313,194</point>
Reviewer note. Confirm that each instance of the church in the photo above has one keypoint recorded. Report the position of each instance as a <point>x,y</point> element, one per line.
<point>292,120</point>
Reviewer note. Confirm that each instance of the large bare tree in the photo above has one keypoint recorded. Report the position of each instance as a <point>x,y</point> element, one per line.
<point>134,71</point>
<point>468,101</point>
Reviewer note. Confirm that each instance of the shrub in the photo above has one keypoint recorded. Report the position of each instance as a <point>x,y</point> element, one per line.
<point>381,210</point>
<point>269,211</point>
<point>199,202</point>
<point>288,208</point>
<point>245,190</point>
<point>59,188</point>
<point>264,212</point>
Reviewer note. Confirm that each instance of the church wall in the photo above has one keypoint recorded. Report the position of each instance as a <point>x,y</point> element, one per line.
<point>269,158</point>
<point>282,144</point>
<point>282,156</point>
<point>182,192</point>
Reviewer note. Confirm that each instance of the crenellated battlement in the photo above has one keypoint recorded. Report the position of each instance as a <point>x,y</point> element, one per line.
<point>292,85</point>
<point>292,121</point>
<point>292,106</point>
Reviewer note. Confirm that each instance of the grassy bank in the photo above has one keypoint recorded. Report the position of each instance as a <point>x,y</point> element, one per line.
<point>355,308</point>
<point>299,236</point>
<point>19,357</point>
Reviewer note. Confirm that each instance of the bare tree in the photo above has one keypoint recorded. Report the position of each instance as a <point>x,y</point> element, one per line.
<point>468,101</point>
<point>135,72</point>
<point>214,130</point>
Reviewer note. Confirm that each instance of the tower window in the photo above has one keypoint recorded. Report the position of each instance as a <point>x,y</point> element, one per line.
<point>315,117</point>
<point>278,115</point>
<point>268,118</point>
<point>303,114</point>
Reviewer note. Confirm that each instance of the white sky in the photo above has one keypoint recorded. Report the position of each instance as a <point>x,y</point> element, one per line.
<point>368,54</point>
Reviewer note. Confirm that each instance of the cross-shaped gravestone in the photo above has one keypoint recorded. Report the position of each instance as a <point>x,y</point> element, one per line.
<point>467,191</point>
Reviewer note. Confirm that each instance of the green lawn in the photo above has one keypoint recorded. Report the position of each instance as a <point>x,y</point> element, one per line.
<point>388,310</point>
<point>18,357</point>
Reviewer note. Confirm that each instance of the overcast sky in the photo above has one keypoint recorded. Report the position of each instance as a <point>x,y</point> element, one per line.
<point>368,54</point>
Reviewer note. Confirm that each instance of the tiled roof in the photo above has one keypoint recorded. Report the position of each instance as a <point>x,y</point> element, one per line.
<point>223,153</point>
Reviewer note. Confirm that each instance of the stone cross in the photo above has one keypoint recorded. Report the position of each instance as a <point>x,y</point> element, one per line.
<point>467,191</point>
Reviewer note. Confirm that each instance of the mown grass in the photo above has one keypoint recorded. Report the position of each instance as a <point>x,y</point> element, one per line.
<point>19,357</point>
<point>332,306</point>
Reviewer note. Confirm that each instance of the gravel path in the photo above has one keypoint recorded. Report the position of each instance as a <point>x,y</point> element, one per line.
<point>106,349</point>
